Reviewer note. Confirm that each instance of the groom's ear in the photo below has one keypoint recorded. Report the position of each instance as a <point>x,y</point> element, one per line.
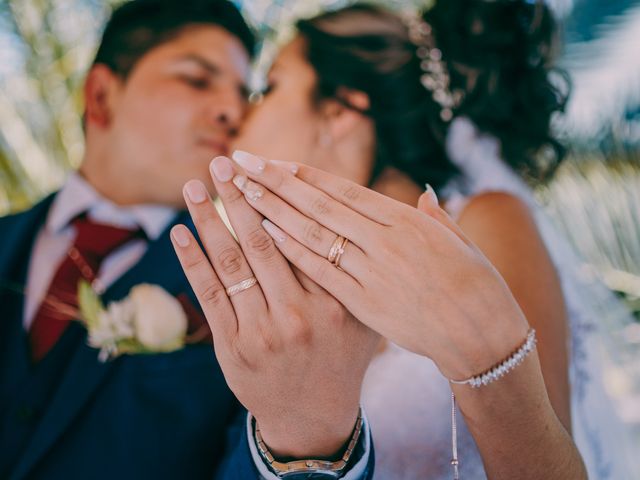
<point>346,115</point>
<point>100,90</point>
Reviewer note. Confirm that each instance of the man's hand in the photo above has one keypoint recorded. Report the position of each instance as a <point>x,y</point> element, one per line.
<point>290,352</point>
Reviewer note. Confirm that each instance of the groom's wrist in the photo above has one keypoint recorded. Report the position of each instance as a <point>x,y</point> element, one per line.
<point>358,466</point>
<point>313,436</point>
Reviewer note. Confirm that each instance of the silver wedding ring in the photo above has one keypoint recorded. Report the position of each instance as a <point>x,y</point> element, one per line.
<point>241,286</point>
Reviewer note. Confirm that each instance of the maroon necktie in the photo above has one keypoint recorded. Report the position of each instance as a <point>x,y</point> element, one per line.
<point>93,242</point>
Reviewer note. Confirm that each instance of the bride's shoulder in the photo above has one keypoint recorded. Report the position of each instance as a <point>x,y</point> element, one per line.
<point>496,209</point>
<point>502,225</point>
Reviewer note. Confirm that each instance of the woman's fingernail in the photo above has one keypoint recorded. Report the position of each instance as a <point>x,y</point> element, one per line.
<point>277,234</point>
<point>251,190</point>
<point>292,167</point>
<point>180,235</point>
<point>240,181</point>
<point>431,193</point>
<point>195,191</point>
<point>251,163</point>
<point>222,169</point>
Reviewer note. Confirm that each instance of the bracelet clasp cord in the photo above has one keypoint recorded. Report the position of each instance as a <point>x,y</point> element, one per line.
<point>485,378</point>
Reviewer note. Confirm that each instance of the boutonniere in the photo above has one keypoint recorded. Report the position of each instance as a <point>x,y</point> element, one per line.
<point>148,320</point>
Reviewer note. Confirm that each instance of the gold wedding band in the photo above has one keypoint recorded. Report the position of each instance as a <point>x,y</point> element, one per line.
<point>336,250</point>
<point>241,286</point>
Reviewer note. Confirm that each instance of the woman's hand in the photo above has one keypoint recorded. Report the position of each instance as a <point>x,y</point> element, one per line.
<point>290,352</point>
<point>413,276</point>
<point>410,274</point>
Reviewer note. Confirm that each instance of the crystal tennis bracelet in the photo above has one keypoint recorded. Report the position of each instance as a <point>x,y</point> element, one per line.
<point>504,367</point>
<point>485,378</point>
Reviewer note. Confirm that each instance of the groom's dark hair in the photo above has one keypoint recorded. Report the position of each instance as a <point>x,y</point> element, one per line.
<point>138,26</point>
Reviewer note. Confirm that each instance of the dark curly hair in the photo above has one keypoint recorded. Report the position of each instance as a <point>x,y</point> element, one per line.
<point>499,53</point>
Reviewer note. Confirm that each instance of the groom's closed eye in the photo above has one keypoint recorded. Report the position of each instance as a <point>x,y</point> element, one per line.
<point>202,74</point>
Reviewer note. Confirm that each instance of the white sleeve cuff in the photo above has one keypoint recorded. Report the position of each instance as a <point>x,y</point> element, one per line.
<point>357,472</point>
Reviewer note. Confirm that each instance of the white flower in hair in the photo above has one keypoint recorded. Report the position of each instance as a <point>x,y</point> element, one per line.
<point>478,156</point>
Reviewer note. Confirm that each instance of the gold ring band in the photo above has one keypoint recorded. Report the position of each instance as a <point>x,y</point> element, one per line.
<point>241,286</point>
<point>336,250</point>
<point>336,261</point>
<point>333,251</point>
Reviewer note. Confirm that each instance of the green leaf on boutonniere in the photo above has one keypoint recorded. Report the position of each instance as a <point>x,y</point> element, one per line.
<point>90,304</point>
<point>131,345</point>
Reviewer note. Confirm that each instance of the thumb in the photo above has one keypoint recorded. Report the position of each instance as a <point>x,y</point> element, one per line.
<point>428,203</point>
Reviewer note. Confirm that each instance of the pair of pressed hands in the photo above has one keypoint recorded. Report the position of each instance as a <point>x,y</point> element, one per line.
<point>295,348</point>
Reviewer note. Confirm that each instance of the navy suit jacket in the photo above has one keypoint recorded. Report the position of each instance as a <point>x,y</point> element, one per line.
<point>164,416</point>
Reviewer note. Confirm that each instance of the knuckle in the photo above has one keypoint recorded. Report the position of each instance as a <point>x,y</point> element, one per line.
<point>233,195</point>
<point>320,272</point>
<point>212,294</point>
<point>278,178</point>
<point>299,332</point>
<point>194,260</point>
<point>320,205</point>
<point>259,244</point>
<point>230,260</point>
<point>312,233</point>
<point>351,192</point>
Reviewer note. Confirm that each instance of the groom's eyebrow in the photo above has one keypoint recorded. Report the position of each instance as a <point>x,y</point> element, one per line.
<point>207,65</point>
<point>212,69</point>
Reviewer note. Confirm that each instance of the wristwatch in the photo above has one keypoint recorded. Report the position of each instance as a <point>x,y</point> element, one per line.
<point>309,469</point>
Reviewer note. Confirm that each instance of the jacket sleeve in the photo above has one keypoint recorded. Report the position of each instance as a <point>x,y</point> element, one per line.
<point>243,461</point>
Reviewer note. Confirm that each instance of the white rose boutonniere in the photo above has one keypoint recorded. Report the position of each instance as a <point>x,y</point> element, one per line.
<point>149,320</point>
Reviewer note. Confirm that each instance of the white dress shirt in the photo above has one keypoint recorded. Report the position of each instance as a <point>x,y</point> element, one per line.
<point>57,236</point>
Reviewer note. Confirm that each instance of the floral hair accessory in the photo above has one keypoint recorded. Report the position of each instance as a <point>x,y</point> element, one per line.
<point>435,76</point>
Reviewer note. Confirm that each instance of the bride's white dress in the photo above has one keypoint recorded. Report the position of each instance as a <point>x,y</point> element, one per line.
<point>408,402</point>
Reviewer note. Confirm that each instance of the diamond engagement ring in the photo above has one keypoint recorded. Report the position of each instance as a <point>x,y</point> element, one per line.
<point>241,286</point>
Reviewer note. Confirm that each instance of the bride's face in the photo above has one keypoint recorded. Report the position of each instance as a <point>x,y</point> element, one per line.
<point>289,123</point>
<point>286,124</point>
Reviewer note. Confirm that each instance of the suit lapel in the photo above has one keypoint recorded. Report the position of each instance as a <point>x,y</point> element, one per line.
<point>16,244</point>
<point>15,255</point>
<point>85,373</point>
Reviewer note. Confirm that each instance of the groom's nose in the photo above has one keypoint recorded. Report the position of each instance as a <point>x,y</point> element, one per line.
<point>227,109</point>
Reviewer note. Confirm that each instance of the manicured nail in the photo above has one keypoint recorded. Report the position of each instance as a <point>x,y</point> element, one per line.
<point>222,169</point>
<point>432,193</point>
<point>196,191</point>
<point>277,234</point>
<point>292,167</point>
<point>240,181</point>
<point>251,190</point>
<point>180,235</point>
<point>250,162</point>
